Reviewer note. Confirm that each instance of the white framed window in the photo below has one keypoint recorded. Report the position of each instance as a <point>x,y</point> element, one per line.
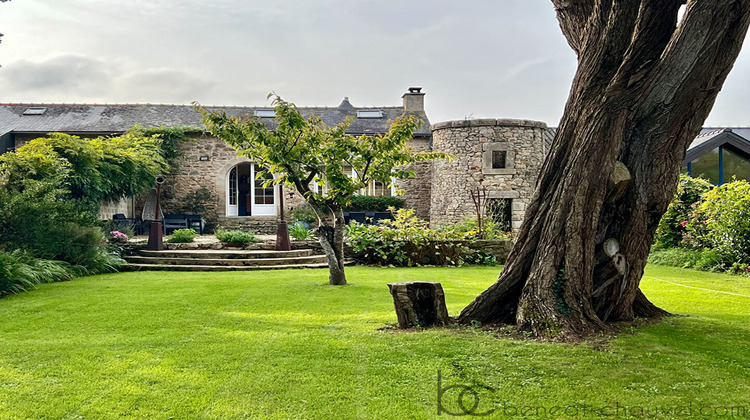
<point>233,187</point>
<point>373,188</point>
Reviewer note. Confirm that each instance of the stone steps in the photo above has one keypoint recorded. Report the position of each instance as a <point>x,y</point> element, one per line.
<point>224,253</point>
<point>224,260</point>
<point>170,267</point>
<point>314,259</point>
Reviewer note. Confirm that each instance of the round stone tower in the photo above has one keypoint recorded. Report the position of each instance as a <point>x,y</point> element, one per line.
<point>505,156</point>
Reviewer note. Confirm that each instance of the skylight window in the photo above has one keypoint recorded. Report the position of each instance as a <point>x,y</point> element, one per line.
<point>370,113</point>
<point>35,111</point>
<point>265,113</point>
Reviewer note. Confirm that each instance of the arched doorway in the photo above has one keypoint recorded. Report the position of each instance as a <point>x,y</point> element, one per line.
<point>246,195</point>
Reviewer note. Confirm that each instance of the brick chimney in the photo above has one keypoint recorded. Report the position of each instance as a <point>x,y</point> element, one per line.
<point>414,100</point>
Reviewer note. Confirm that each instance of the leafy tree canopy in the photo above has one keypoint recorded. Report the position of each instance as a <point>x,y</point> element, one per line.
<point>91,170</point>
<point>301,150</point>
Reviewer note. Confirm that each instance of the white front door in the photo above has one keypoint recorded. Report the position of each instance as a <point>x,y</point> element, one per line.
<point>263,198</point>
<point>232,193</point>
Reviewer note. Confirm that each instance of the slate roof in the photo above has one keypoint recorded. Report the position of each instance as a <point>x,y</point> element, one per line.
<point>119,118</point>
<point>549,135</point>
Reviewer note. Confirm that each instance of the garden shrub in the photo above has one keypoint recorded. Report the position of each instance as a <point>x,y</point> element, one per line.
<point>37,220</point>
<point>182,236</point>
<point>304,213</point>
<point>480,257</point>
<point>675,257</point>
<point>369,203</point>
<point>236,236</point>
<point>490,228</point>
<point>407,241</point>
<point>672,226</point>
<point>722,221</point>
<point>705,259</point>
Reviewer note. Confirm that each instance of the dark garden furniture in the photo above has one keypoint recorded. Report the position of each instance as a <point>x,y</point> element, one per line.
<point>121,221</point>
<point>378,216</point>
<point>195,222</point>
<point>367,217</point>
<point>358,217</point>
<point>173,222</point>
<point>176,221</point>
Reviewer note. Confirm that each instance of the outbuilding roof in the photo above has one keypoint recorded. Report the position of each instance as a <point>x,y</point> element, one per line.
<point>712,138</point>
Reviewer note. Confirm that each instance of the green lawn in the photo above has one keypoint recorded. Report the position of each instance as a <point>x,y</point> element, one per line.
<point>282,344</point>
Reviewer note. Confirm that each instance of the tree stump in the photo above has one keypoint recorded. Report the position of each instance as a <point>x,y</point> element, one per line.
<point>419,303</point>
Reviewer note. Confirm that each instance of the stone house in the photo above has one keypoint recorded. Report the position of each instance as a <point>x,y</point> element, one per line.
<point>502,156</point>
<point>240,201</point>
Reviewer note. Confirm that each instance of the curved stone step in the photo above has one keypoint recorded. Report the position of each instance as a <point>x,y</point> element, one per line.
<point>224,254</point>
<point>313,259</point>
<point>169,267</point>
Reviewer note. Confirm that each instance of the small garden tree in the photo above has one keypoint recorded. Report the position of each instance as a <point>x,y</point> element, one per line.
<point>300,151</point>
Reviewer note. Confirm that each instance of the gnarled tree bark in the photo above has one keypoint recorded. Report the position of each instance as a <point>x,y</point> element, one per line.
<point>643,88</point>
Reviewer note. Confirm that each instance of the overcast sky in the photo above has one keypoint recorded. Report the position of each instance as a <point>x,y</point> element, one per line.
<point>480,58</point>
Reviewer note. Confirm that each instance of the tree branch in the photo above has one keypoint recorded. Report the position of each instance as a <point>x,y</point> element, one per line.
<point>573,16</point>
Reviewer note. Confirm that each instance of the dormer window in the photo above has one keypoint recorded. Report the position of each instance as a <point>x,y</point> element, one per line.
<point>35,111</point>
<point>265,113</point>
<point>370,113</point>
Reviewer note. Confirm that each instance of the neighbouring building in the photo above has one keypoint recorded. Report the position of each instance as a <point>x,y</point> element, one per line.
<point>719,155</point>
<point>500,156</point>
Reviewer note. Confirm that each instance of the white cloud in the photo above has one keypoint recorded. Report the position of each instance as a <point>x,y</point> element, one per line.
<point>490,58</point>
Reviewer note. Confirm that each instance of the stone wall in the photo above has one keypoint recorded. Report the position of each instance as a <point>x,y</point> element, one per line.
<point>417,189</point>
<point>190,173</point>
<point>472,142</point>
<point>110,208</point>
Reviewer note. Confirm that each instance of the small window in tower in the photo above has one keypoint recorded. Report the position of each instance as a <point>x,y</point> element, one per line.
<point>499,159</point>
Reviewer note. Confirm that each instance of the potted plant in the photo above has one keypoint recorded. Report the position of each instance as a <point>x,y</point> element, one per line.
<point>304,216</point>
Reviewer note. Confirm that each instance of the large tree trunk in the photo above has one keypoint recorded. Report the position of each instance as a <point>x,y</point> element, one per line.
<point>331,236</point>
<point>643,88</point>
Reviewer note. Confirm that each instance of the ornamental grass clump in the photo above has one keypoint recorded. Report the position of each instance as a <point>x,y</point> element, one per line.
<point>19,271</point>
<point>181,236</point>
<point>300,233</point>
<point>236,236</point>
